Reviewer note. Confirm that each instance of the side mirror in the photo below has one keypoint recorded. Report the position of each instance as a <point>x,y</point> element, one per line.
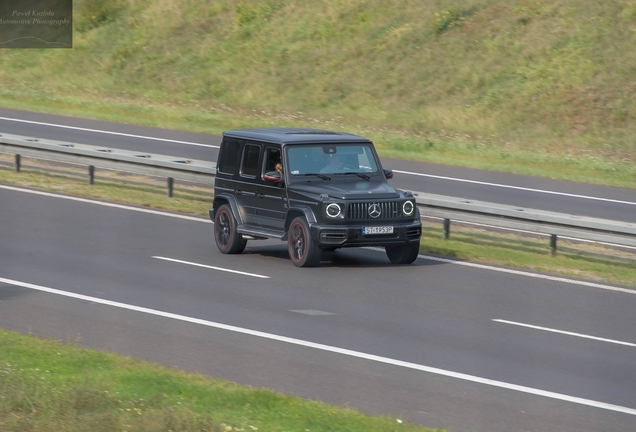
<point>272,176</point>
<point>388,173</point>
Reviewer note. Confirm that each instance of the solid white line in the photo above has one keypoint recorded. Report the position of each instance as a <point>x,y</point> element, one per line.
<point>519,273</point>
<point>517,187</point>
<point>108,132</point>
<point>211,267</point>
<point>565,332</point>
<point>327,348</point>
<point>529,274</point>
<point>107,204</point>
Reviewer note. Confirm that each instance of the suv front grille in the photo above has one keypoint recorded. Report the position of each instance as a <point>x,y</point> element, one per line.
<point>360,211</point>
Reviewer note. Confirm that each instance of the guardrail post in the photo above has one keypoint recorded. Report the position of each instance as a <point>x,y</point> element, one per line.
<point>446,229</point>
<point>91,174</point>
<point>553,244</point>
<point>18,159</point>
<point>170,186</point>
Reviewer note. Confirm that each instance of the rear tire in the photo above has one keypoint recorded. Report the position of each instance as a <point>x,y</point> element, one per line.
<point>404,253</point>
<point>228,240</point>
<point>303,250</point>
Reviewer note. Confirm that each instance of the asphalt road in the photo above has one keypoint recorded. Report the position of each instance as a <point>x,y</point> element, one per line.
<point>459,346</point>
<point>531,192</point>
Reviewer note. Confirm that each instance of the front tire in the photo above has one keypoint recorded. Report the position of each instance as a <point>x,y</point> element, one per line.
<point>404,253</point>
<point>228,240</point>
<point>303,250</point>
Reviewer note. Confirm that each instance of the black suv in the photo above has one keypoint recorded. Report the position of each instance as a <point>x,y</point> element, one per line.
<point>316,189</point>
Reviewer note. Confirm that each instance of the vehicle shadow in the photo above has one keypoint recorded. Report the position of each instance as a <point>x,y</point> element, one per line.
<point>346,257</point>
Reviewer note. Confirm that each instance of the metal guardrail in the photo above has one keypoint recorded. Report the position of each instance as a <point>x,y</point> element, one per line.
<point>171,167</point>
<point>526,219</point>
<point>444,207</point>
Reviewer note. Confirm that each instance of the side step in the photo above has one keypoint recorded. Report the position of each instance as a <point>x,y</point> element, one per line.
<point>258,233</point>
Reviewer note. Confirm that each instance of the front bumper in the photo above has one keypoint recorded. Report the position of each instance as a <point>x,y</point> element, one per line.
<point>337,236</point>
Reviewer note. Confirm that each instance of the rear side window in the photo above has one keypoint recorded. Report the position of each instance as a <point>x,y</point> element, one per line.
<point>249,166</point>
<point>229,156</point>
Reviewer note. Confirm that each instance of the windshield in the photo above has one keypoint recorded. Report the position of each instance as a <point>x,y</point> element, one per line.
<point>331,159</point>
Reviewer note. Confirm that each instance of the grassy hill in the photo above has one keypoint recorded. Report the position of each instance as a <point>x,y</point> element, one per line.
<point>539,87</point>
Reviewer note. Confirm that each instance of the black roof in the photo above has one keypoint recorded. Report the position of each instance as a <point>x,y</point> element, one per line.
<point>294,135</point>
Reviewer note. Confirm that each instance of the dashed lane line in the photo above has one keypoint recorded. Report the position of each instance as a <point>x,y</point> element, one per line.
<point>567,333</point>
<point>211,267</point>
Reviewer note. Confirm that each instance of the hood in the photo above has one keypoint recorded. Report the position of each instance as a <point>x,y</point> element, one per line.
<point>363,189</point>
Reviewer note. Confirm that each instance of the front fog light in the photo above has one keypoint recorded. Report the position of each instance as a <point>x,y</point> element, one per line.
<point>408,207</point>
<point>333,210</point>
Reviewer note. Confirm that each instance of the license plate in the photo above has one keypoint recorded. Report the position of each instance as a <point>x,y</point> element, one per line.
<point>377,230</point>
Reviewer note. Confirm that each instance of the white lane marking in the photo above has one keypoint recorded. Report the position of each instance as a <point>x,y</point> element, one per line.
<point>106,204</point>
<point>312,312</point>
<point>211,267</point>
<point>108,132</point>
<point>517,187</point>
<point>520,273</point>
<point>565,332</point>
<point>425,257</point>
<point>328,348</point>
<point>532,275</point>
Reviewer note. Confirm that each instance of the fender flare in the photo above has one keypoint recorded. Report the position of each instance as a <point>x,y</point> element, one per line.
<point>296,211</point>
<point>221,199</point>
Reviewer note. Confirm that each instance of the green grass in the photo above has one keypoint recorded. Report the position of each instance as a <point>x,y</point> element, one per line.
<point>48,386</point>
<point>538,87</point>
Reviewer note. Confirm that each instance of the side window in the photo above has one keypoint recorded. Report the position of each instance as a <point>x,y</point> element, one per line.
<point>229,156</point>
<point>271,160</point>
<point>249,165</point>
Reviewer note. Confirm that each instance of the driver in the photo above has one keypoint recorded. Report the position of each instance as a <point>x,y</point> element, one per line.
<point>333,165</point>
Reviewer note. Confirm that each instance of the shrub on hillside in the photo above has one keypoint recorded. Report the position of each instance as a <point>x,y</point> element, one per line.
<point>91,14</point>
<point>446,19</point>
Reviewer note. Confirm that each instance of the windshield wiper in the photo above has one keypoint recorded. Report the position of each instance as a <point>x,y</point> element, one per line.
<point>324,177</point>
<point>364,176</point>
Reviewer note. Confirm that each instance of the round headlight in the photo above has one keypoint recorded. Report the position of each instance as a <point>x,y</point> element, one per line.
<point>333,210</point>
<point>408,207</point>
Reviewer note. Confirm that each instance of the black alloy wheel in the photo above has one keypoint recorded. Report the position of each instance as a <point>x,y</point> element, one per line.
<point>303,251</point>
<point>228,240</point>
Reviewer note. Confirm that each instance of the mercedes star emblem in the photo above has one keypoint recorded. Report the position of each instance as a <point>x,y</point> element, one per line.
<point>375,210</point>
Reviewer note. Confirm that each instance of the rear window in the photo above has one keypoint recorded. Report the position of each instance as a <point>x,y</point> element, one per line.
<point>229,156</point>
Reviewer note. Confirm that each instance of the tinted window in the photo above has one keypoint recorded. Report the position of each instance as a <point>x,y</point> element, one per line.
<point>229,157</point>
<point>249,167</point>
